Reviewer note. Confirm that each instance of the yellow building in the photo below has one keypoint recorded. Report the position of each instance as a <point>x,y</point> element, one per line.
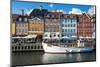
<point>13,27</point>
<point>36,26</point>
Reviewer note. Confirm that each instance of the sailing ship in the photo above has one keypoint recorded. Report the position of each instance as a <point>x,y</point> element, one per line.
<point>49,48</point>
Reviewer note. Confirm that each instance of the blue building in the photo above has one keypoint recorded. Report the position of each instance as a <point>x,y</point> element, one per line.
<point>69,25</point>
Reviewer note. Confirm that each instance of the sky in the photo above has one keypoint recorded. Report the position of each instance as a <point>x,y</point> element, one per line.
<point>66,8</point>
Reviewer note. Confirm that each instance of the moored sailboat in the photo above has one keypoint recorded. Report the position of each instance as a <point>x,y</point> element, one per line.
<point>49,48</point>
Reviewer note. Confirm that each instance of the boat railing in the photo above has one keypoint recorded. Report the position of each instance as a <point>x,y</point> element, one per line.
<point>69,44</point>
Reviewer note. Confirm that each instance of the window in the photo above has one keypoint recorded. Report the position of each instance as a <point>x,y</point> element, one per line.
<point>23,31</point>
<point>74,30</point>
<point>52,15</point>
<point>71,20</point>
<point>62,30</point>
<point>18,30</point>
<point>71,25</point>
<point>20,19</point>
<point>65,30</point>
<point>68,20</point>
<point>25,19</point>
<point>32,29</point>
<point>55,20</point>
<point>80,20</point>
<point>71,30</point>
<point>65,20</point>
<point>68,30</point>
<point>48,15</point>
<point>74,25</point>
<point>68,25</point>
<point>65,25</point>
<point>62,25</point>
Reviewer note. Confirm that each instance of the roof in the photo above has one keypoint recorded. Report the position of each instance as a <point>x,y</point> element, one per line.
<point>22,19</point>
<point>54,15</point>
<point>39,12</point>
<point>70,15</point>
<point>84,14</point>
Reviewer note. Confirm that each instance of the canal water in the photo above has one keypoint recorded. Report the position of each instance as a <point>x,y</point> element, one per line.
<point>34,58</point>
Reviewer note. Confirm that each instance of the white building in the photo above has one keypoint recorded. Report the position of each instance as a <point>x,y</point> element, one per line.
<point>69,25</point>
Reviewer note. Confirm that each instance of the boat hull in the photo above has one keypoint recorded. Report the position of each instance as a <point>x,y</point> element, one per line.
<point>57,49</point>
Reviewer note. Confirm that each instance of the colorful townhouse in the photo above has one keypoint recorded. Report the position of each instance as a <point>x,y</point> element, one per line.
<point>36,26</point>
<point>53,25</point>
<point>36,21</point>
<point>13,24</point>
<point>22,25</point>
<point>69,25</point>
<point>13,27</point>
<point>85,26</point>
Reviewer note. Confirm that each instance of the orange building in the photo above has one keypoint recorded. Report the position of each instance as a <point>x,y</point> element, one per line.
<point>36,26</point>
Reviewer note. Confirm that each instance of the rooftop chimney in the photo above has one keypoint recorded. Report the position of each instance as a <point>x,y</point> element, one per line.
<point>22,12</point>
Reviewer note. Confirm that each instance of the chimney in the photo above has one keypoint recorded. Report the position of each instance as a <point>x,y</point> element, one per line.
<point>22,12</point>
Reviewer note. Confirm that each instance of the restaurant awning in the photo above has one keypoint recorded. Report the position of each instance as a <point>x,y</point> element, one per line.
<point>29,36</point>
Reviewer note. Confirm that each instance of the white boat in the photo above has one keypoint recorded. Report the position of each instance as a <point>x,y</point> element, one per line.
<point>49,48</point>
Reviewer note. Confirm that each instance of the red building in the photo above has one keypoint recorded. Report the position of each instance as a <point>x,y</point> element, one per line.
<point>85,27</point>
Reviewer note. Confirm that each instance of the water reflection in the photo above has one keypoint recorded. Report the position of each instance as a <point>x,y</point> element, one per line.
<point>26,58</point>
<point>59,58</point>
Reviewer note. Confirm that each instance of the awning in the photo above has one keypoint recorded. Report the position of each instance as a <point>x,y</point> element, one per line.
<point>29,36</point>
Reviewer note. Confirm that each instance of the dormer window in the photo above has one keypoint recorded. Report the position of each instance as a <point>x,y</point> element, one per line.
<point>53,16</point>
<point>20,19</point>
<point>25,19</point>
<point>48,15</point>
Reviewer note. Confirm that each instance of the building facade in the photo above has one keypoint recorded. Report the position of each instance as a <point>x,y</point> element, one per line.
<point>36,26</point>
<point>13,27</point>
<point>53,25</point>
<point>40,13</point>
<point>13,24</point>
<point>85,26</point>
<point>22,26</point>
<point>69,25</point>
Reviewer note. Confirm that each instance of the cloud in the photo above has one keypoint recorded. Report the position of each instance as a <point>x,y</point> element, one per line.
<point>91,11</point>
<point>75,11</point>
<point>51,5</point>
<point>61,10</point>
